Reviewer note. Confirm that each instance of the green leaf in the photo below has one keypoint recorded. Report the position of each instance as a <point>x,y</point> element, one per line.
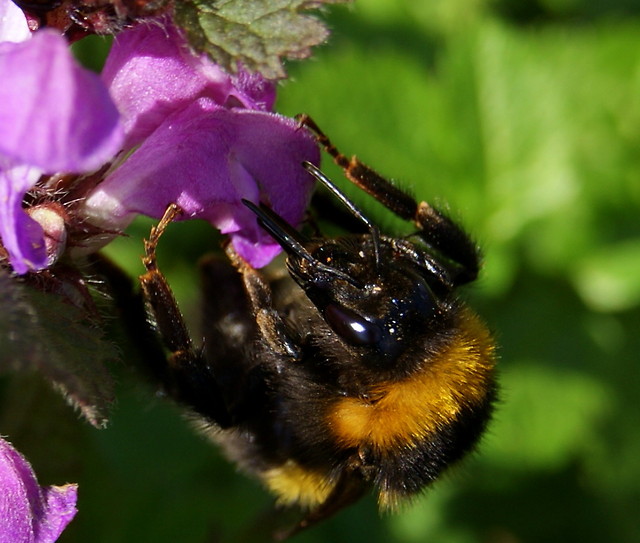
<point>604,279</point>
<point>42,332</point>
<point>255,34</point>
<point>533,396</point>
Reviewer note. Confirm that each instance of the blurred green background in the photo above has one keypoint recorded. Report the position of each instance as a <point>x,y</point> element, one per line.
<point>524,118</point>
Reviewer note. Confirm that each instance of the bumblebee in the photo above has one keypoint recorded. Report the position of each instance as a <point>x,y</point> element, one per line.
<point>358,369</point>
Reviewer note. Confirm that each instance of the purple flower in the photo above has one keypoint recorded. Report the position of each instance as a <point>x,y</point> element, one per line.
<point>30,513</point>
<point>54,116</point>
<point>205,141</point>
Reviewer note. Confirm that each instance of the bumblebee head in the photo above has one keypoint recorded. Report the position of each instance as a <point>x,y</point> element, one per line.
<point>370,295</point>
<point>376,293</point>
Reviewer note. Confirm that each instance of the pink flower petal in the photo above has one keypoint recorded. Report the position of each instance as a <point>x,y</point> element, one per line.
<point>54,114</point>
<point>13,23</point>
<point>206,160</point>
<point>151,73</point>
<point>21,236</point>
<point>29,513</point>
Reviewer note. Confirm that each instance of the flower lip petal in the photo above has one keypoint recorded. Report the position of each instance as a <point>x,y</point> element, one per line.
<point>18,483</point>
<point>206,161</point>
<point>258,253</point>
<point>54,114</point>
<point>31,514</point>
<point>59,510</point>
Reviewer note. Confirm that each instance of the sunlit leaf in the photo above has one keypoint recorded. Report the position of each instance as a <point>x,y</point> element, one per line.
<point>603,279</point>
<point>533,434</point>
<point>255,34</point>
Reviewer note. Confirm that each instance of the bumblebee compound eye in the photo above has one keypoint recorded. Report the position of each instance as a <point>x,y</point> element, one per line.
<point>350,326</point>
<point>421,299</point>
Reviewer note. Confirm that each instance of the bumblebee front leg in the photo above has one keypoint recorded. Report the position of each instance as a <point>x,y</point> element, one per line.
<point>160,299</point>
<point>271,326</point>
<point>186,376</point>
<point>435,228</point>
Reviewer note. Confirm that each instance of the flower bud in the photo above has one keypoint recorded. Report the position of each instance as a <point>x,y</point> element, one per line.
<point>51,217</point>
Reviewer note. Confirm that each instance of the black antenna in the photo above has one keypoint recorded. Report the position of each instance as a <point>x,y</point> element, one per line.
<point>373,229</point>
<point>291,240</point>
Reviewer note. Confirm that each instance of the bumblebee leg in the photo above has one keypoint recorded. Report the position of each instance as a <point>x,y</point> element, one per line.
<point>364,177</point>
<point>435,228</point>
<point>160,298</point>
<point>186,375</point>
<point>271,326</point>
